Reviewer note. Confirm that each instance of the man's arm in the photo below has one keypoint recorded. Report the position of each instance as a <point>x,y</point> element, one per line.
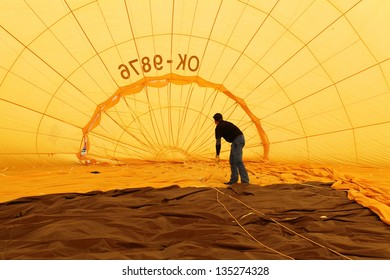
<point>218,146</point>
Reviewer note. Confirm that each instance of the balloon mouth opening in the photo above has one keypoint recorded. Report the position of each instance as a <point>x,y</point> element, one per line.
<point>166,151</point>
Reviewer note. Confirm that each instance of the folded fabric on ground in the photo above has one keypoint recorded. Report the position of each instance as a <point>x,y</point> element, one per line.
<point>281,221</point>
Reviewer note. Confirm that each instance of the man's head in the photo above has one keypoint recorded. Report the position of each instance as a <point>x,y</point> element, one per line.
<point>217,117</point>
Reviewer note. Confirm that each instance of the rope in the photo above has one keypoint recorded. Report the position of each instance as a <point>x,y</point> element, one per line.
<point>257,241</point>
<point>276,222</point>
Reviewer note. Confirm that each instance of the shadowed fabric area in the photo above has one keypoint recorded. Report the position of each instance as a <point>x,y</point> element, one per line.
<point>281,221</point>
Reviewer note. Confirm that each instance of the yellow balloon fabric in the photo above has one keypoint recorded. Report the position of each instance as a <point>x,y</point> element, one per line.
<point>313,74</point>
<point>308,81</point>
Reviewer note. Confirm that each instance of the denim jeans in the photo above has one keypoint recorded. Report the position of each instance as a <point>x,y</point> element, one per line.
<point>235,159</point>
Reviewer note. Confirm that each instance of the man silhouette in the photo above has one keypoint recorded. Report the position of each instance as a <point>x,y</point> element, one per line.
<point>234,135</point>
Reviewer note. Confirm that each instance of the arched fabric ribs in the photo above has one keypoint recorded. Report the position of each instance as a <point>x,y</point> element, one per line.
<point>162,81</point>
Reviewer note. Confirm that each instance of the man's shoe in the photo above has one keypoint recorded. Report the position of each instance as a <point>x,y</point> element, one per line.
<point>230,183</point>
